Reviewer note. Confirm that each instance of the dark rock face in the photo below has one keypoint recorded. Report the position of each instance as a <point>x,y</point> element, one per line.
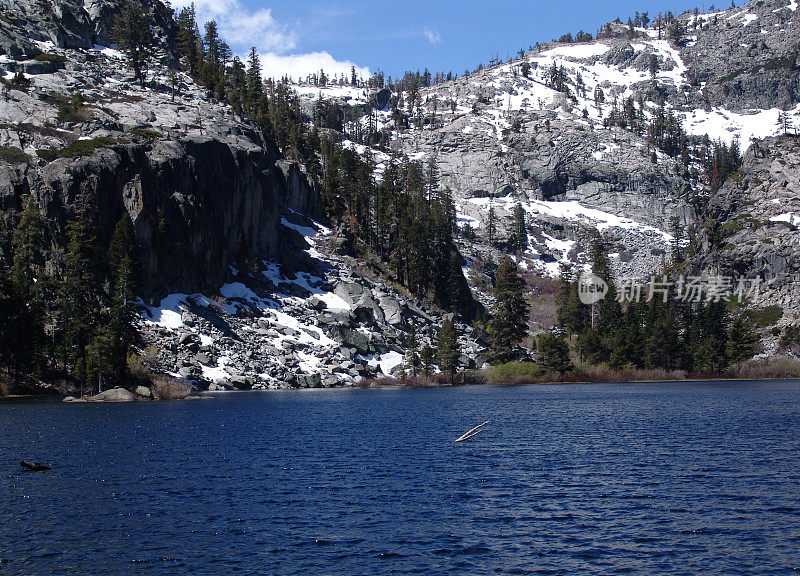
<point>70,24</point>
<point>196,205</point>
<point>298,193</point>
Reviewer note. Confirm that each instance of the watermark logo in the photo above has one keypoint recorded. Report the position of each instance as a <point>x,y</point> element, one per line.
<point>687,289</point>
<point>591,288</point>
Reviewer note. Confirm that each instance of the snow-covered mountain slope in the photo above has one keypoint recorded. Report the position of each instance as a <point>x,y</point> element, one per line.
<point>533,130</point>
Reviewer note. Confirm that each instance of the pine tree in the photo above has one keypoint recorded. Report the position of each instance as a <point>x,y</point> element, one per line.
<point>742,341</point>
<point>213,72</point>
<point>26,319</point>
<point>120,332</point>
<point>80,302</point>
<point>663,344</point>
<point>608,309</point>
<point>253,79</point>
<point>8,307</point>
<point>519,233</point>
<point>553,353</point>
<point>599,97</point>
<point>509,323</point>
<point>188,37</point>
<point>132,34</point>
<point>455,292</point>
<point>784,122</point>
<point>706,338</point>
<point>572,314</point>
<point>412,349</point>
<point>676,31</point>
<point>432,178</point>
<point>491,225</point>
<point>653,66</point>
<point>447,352</point>
<point>427,356</point>
<point>676,244</point>
<point>626,343</point>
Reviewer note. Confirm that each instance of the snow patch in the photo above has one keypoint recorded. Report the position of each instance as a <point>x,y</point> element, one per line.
<point>788,217</point>
<point>168,312</point>
<point>578,50</point>
<point>722,124</point>
<point>109,52</point>
<point>748,18</point>
<point>216,373</point>
<point>389,361</point>
<point>386,362</point>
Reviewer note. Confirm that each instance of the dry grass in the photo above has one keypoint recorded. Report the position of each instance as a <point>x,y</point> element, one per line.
<point>415,382</point>
<point>589,373</point>
<point>463,378</point>
<point>218,303</point>
<point>766,369</point>
<point>531,373</point>
<point>165,388</point>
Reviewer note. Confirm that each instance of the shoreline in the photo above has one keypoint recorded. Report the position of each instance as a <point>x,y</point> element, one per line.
<point>210,395</point>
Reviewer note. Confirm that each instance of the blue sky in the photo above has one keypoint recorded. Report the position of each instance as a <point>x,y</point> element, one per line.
<point>296,36</point>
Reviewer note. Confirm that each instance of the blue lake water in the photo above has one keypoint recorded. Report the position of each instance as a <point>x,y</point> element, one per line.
<point>684,478</point>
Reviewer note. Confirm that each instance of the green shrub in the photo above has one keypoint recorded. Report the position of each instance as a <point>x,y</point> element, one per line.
<point>146,133</point>
<point>28,128</point>
<point>763,317</point>
<point>514,373</point>
<point>18,82</point>
<point>138,371</point>
<point>791,337</point>
<point>779,63</point>
<point>13,155</point>
<point>730,228</point>
<point>78,149</point>
<point>54,58</point>
<point>72,110</point>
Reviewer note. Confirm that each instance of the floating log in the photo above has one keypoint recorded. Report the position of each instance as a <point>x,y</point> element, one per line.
<point>469,434</point>
<point>34,466</point>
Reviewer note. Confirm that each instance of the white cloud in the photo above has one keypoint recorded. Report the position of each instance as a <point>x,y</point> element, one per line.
<point>243,28</point>
<point>298,66</point>
<point>433,36</point>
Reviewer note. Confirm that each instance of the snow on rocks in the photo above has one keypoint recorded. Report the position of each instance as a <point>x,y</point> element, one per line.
<point>788,217</point>
<point>319,325</point>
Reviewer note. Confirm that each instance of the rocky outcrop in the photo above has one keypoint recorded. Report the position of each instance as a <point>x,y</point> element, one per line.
<point>752,229</point>
<point>300,322</point>
<point>198,205</point>
<point>72,24</point>
<point>298,193</point>
<point>745,57</point>
<point>114,395</point>
<point>203,188</point>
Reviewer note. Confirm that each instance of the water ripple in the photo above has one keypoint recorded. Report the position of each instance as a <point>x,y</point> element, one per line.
<point>669,479</point>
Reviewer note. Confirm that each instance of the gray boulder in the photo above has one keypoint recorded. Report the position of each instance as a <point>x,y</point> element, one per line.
<point>114,395</point>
